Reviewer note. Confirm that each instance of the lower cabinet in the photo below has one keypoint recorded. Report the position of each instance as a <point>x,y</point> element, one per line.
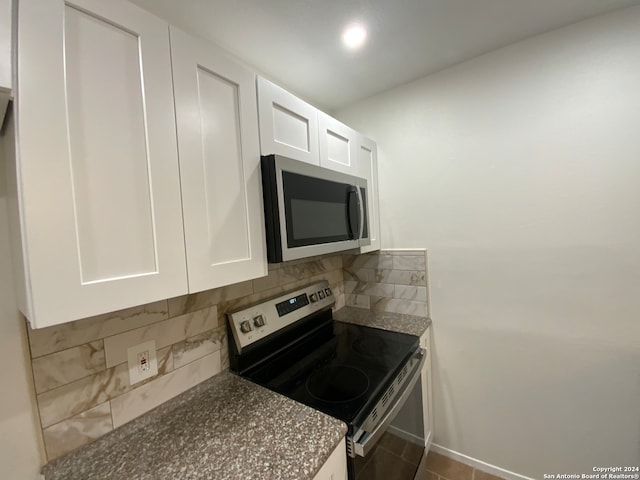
<point>427,390</point>
<point>335,468</point>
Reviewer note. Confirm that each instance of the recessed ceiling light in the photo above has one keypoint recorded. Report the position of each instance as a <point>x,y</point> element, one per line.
<point>354,36</point>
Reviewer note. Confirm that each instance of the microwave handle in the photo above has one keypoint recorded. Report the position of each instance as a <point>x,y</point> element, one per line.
<point>362,212</point>
<point>354,212</point>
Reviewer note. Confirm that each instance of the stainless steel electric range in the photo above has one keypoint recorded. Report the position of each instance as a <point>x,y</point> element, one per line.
<point>366,377</point>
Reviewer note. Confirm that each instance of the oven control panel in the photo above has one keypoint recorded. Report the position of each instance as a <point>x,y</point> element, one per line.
<point>255,323</point>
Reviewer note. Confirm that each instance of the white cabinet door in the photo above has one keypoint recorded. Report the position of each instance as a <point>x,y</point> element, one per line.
<point>427,390</point>
<point>217,121</point>
<point>288,125</point>
<point>335,468</point>
<point>367,167</point>
<point>337,145</point>
<point>98,178</point>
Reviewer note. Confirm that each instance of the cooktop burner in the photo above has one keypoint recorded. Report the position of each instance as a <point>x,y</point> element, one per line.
<point>338,383</point>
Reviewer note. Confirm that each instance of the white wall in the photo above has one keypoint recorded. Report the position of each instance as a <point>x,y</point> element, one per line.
<point>20,443</point>
<point>520,172</point>
<point>5,45</point>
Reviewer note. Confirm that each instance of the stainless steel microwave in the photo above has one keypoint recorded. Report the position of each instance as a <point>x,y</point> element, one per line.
<point>310,210</point>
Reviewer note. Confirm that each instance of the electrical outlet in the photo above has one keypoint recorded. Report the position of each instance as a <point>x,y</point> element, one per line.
<point>143,363</point>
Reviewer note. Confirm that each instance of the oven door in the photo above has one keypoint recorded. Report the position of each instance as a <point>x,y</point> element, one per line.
<point>311,210</point>
<point>391,446</point>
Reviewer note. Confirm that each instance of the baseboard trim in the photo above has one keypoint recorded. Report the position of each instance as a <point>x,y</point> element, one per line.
<point>479,464</point>
<point>410,437</point>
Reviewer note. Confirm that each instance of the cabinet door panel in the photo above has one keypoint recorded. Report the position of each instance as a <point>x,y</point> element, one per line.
<point>226,202</point>
<point>219,163</point>
<point>288,125</point>
<point>367,161</point>
<point>290,129</point>
<point>110,174</point>
<point>98,170</point>
<point>337,145</point>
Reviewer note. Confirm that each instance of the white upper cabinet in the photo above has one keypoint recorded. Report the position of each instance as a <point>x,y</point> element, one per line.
<point>338,149</point>
<point>288,125</point>
<point>219,152</point>
<point>295,129</point>
<point>367,167</point>
<point>98,182</point>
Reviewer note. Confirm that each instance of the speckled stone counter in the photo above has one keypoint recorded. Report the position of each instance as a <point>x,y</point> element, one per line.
<point>396,322</point>
<point>225,428</point>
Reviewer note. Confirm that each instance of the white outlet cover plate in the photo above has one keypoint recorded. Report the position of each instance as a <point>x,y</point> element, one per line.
<point>136,374</point>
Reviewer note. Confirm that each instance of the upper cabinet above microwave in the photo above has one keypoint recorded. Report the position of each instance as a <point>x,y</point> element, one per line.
<point>338,149</point>
<point>292,128</point>
<point>98,223</point>
<point>288,125</point>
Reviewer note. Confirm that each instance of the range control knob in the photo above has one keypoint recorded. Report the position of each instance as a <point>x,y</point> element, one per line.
<point>328,291</point>
<point>321,294</point>
<point>313,297</point>
<point>258,321</point>
<point>245,327</point>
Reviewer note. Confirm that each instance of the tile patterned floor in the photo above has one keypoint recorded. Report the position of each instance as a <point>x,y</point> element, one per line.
<point>438,467</point>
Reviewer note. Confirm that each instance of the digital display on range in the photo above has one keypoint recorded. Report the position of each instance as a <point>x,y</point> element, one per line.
<point>292,304</point>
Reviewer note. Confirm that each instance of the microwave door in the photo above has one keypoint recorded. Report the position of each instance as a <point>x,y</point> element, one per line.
<point>310,210</point>
<point>316,216</point>
<point>313,205</point>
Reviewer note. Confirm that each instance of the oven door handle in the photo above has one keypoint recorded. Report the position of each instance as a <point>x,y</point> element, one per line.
<point>370,439</point>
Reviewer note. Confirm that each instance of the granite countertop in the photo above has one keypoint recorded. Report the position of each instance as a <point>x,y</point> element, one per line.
<point>224,428</point>
<point>395,322</point>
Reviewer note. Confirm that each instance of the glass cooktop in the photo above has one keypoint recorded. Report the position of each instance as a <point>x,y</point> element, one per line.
<point>340,370</point>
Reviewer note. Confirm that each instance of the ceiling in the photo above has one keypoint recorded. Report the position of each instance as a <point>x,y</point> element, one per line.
<point>296,43</point>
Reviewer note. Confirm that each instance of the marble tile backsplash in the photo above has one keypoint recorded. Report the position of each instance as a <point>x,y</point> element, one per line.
<point>80,370</point>
<point>388,280</point>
